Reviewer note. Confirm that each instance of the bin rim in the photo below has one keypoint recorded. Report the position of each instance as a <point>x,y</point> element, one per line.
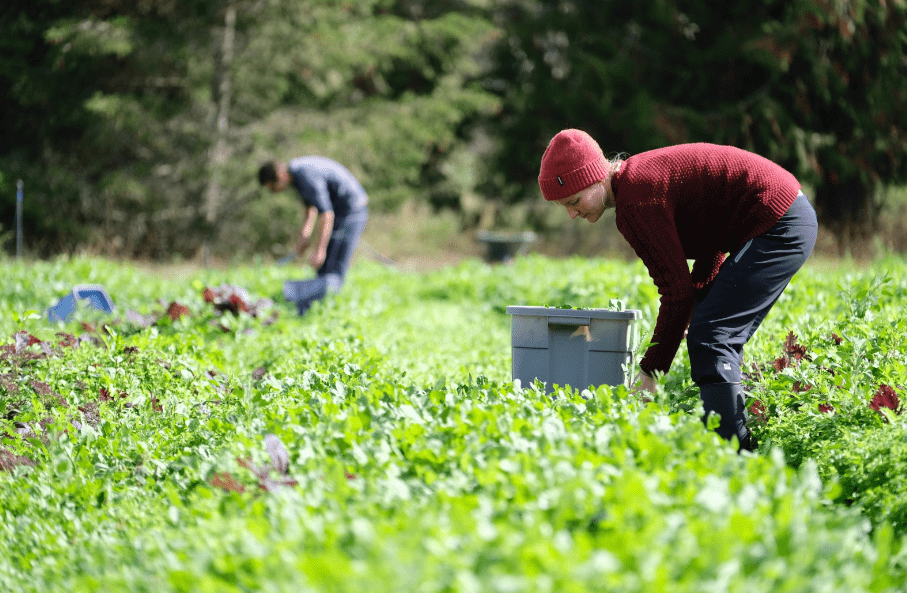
<point>534,311</point>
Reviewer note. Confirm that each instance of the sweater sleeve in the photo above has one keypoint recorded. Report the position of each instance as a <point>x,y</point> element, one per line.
<point>651,232</point>
<point>705,270</point>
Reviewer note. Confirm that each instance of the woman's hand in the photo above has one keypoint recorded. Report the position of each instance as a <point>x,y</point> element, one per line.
<point>645,386</point>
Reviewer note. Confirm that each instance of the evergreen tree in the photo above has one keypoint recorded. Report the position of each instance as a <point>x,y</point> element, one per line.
<point>114,108</point>
<point>815,86</point>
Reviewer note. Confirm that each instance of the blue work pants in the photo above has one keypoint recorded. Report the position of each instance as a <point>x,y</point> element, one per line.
<point>329,278</point>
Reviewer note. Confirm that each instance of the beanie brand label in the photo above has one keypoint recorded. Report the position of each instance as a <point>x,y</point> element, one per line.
<point>559,180</point>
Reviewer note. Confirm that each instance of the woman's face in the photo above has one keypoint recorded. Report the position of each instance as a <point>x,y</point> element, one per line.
<point>588,203</point>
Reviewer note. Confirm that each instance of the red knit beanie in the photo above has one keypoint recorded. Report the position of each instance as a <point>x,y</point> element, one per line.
<point>572,162</point>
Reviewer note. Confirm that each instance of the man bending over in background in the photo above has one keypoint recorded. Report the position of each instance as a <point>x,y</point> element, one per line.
<point>336,204</point>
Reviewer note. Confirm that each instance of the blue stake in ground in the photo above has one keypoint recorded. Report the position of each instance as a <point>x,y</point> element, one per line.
<point>94,296</point>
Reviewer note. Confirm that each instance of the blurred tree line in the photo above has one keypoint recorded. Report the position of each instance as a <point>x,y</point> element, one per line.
<point>138,126</point>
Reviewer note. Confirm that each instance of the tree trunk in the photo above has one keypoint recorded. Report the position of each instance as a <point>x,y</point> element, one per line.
<point>221,99</point>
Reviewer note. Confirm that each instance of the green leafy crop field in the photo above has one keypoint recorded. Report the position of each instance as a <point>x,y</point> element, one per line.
<point>203,437</point>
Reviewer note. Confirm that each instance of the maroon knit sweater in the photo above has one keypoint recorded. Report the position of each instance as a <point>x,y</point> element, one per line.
<point>693,202</point>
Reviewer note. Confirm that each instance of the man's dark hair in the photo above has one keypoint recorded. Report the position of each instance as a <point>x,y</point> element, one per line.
<point>267,174</point>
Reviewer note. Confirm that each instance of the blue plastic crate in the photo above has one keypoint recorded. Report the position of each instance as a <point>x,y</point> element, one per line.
<point>94,296</point>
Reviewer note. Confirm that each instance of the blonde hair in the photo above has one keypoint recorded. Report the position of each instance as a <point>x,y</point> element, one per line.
<point>613,163</point>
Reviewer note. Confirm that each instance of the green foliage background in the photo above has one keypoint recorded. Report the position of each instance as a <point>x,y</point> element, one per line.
<point>413,462</point>
<point>109,108</point>
<point>814,86</point>
<point>111,111</point>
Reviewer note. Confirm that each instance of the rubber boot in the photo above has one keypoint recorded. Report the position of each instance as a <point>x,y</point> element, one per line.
<point>305,292</point>
<point>726,399</point>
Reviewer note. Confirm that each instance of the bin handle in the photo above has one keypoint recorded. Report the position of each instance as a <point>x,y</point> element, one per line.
<point>572,321</point>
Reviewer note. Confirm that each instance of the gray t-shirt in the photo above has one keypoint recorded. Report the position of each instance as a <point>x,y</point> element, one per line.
<point>327,185</point>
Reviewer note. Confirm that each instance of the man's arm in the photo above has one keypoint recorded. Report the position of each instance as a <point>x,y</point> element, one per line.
<point>324,237</point>
<point>305,234</point>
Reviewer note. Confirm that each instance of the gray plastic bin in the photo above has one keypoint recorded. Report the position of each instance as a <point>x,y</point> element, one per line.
<point>576,347</point>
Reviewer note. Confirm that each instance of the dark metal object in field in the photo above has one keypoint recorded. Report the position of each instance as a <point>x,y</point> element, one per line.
<point>504,246</point>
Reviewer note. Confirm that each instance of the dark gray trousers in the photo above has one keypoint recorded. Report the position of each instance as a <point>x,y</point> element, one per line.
<point>744,291</point>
